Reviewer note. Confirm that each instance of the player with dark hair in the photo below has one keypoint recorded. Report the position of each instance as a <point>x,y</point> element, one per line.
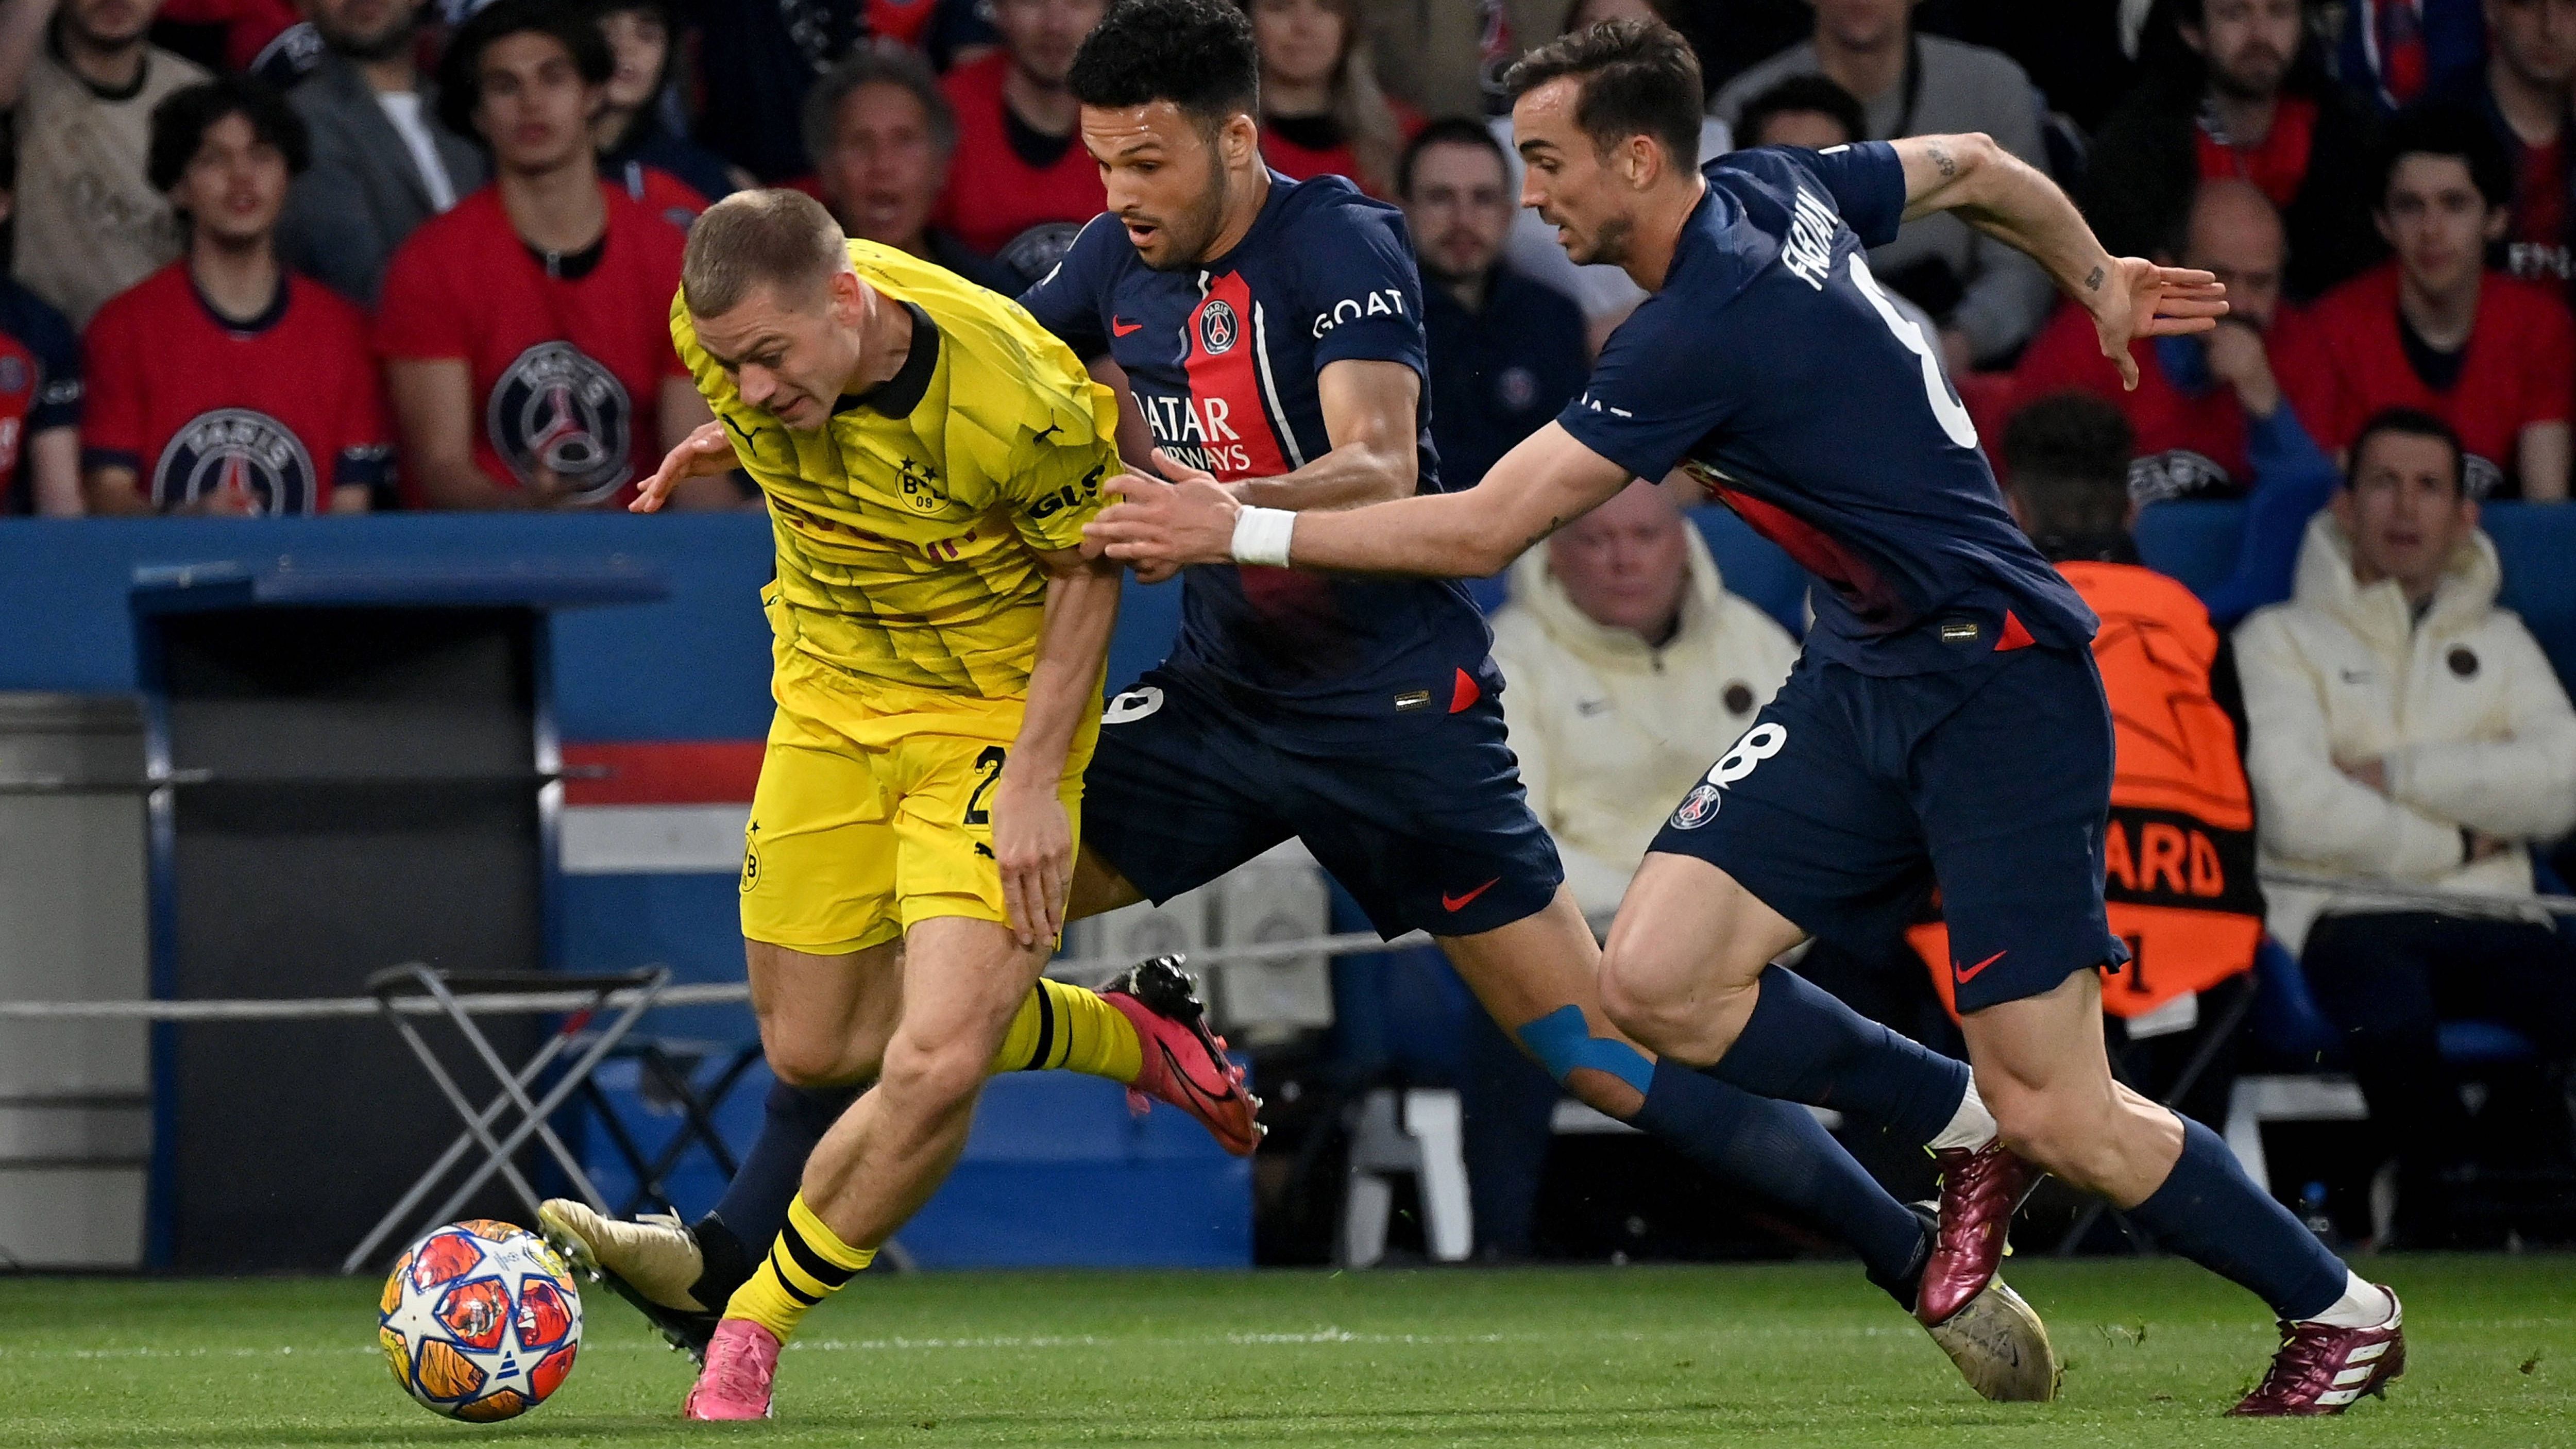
<point>224,383</point>
<point>1270,332</point>
<point>1946,722</point>
<point>524,329</point>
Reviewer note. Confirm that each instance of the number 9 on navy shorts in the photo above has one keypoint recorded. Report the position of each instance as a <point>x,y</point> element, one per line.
<point>1853,795</point>
<point>1421,817</point>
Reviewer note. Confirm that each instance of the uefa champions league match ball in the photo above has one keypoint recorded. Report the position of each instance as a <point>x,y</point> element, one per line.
<point>480,1321</point>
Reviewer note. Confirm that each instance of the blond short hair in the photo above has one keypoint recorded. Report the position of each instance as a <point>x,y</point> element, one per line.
<point>781,239</point>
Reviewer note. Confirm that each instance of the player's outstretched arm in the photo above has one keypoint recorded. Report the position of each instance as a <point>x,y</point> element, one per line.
<point>1032,834</point>
<point>2005,197</point>
<point>1541,485</point>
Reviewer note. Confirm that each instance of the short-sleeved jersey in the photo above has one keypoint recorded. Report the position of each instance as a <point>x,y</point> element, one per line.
<point>40,385</point>
<point>1774,369</point>
<point>906,525</point>
<point>279,410</point>
<point>1223,359</point>
<point>567,371</point>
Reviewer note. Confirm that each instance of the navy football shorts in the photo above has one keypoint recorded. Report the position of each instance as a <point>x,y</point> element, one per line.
<point>1853,795</point>
<point>1421,817</point>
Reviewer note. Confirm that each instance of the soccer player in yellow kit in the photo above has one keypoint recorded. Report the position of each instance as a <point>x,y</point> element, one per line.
<point>929,455</point>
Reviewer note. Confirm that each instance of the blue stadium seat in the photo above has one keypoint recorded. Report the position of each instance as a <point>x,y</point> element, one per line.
<point>2289,1028</point>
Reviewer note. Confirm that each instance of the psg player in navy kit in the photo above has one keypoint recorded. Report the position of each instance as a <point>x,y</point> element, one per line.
<point>1945,724</point>
<point>1270,335</point>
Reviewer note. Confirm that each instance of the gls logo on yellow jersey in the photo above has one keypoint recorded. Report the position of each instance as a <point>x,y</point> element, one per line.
<point>1068,495</point>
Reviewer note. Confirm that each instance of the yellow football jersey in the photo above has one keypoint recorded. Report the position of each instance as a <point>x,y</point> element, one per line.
<point>904,525</point>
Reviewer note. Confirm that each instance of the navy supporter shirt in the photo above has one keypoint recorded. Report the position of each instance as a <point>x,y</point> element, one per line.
<point>1773,369</point>
<point>1223,358</point>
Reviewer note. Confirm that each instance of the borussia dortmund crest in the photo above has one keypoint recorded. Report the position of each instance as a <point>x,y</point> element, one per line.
<point>921,491</point>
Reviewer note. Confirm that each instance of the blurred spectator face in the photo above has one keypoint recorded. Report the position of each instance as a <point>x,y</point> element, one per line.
<point>2404,510</point>
<point>363,29</point>
<point>1862,24</point>
<point>2536,38</point>
<point>1626,564</point>
<point>109,24</point>
<point>1460,209</point>
<point>1164,179</point>
<point>2236,235</point>
<point>535,108</point>
<point>1592,12</point>
<point>1812,129</point>
<point>234,187</point>
<point>1042,35</point>
<point>2437,222</point>
<point>2248,44</point>
<point>1567,182</point>
<point>641,43</point>
<point>884,170</point>
<point>1301,40</point>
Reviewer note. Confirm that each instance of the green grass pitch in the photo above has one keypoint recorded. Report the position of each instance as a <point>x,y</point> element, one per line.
<point>1800,1354</point>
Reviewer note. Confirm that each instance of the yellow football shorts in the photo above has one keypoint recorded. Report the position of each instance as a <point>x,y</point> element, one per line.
<point>870,819</point>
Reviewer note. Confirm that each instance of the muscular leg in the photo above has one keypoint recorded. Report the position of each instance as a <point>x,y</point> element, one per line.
<point>964,981</point>
<point>2041,1067</point>
<point>1539,979</point>
<point>1688,972</point>
<point>824,1023</point>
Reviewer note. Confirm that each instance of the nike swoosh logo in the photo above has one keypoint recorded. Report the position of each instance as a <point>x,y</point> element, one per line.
<point>1122,326</point>
<point>1966,974</point>
<point>1454,904</point>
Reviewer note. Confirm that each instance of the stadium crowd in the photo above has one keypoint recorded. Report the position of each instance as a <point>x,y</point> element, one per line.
<point>300,256</point>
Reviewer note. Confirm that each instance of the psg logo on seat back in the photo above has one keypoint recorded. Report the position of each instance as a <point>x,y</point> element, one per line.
<point>557,409</point>
<point>236,450</point>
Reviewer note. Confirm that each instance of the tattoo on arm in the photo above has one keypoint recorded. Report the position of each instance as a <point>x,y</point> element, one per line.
<point>2093,283</point>
<point>1941,158</point>
<point>1535,539</point>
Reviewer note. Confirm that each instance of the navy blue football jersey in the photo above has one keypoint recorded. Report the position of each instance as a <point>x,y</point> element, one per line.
<point>1773,368</point>
<point>1223,359</point>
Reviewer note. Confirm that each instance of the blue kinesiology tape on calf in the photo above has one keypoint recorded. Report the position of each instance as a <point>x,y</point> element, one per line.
<point>1562,1042</point>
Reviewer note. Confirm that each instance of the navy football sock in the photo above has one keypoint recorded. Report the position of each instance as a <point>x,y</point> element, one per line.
<point>1777,1149</point>
<point>1803,1045</point>
<point>753,1211</point>
<point>2209,1211</point>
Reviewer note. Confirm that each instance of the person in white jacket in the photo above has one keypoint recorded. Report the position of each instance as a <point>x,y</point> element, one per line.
<point>1623,655</point>
<point>2405,729</point>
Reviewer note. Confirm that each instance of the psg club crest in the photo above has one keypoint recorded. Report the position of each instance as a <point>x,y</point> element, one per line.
<point>1698,807</point>
<point>555,408</point>
<point>1218,327</point>
<point>239,451</point>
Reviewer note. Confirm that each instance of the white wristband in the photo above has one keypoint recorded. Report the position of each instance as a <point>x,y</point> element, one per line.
<point>1261,536</point>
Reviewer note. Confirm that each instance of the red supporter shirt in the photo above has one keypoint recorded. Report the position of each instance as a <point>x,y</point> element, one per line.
<point>2520,368</point>
<point>567,372</point>
<point>1304,163</point>
<point>2067,354</point>
<point>992,194</point>
<point>2275,165</point>
<point>280,410</point>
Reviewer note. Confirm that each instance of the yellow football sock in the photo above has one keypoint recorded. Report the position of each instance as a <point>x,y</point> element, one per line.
<point>1066,1028</point>
<point>805,1266</point>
